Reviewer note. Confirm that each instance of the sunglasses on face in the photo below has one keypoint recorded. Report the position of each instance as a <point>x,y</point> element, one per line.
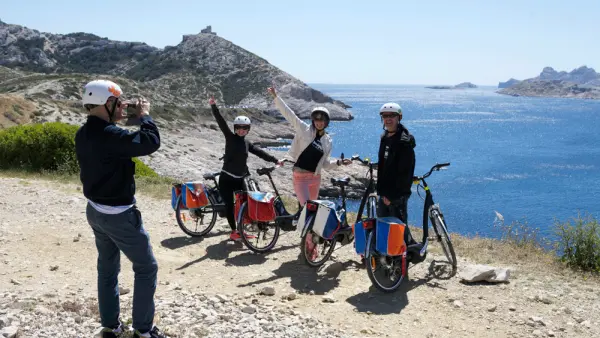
<point>242,127</point>
<point>389,116</point>
<point>318,117</point>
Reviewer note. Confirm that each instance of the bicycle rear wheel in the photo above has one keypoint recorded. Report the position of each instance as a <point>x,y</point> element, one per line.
<point>441,230</point>
<point>255,234</point>
<point>192,221</point>
<point>386,273</point>
<point>309,247</point>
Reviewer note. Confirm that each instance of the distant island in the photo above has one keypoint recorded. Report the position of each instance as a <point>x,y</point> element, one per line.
<point>463,85</point>
<point>508,83</point>
<point>582,83</point>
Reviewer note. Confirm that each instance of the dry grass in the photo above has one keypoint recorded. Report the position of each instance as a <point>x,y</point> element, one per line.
<point>157,188</point>
<point>15,110</point>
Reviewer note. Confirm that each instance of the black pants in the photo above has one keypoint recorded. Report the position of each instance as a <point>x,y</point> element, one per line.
<point>227,186</point>
<point>398,208</point>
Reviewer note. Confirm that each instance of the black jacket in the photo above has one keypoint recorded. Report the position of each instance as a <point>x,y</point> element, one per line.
<point>395,173</point>
<point>237,148</point>
<point>104,153</point>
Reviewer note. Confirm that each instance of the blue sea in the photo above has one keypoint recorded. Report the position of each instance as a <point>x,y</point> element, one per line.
<point>534,160</point>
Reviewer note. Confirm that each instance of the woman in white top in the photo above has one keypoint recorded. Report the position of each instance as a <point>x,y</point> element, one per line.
<point>310,149</point>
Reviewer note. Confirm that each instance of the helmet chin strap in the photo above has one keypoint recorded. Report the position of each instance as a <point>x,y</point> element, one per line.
<point>111,113</point>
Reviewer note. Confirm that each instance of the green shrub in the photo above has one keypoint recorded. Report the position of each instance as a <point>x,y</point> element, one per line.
<point>47,147</point>
<point>579,243</point>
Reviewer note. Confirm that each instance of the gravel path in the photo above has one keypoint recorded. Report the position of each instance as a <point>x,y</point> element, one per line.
<point>210,287</point>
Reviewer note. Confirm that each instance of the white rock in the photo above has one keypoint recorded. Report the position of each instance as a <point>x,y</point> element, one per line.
<point>478,273</point>
<point>10,331</point>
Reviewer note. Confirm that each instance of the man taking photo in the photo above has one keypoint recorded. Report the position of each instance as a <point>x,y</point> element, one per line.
<point>104,152</point>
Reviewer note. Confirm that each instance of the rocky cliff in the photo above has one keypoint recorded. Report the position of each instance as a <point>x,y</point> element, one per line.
<point>508,83</point>
<point>582,82</point>
<point>200,65</point>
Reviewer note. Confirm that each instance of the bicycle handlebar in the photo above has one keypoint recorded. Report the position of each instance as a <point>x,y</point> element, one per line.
<point>268,170</point>
<point>436,167</point>
<point>365,162</point>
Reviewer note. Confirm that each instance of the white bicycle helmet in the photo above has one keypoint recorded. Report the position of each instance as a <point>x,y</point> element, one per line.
<point>97,92</point>
<point>242,121</point>
<point>390,107</point>
<point>321,110</point>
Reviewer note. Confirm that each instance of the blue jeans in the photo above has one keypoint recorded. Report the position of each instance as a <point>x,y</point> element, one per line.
<point>124,232</point>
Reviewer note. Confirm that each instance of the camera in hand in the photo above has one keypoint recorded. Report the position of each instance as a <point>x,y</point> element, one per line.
<point>131,109</point>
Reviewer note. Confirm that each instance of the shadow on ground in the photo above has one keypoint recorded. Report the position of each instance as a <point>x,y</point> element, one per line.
<point>175,243</point>
<point>305,279</point>
<point>378,302</point>
<point>224,249</point>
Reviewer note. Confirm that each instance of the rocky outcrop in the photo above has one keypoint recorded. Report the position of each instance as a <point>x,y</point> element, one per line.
<point>583,82</point>
<point>462,85</point>
<point>200,65</point>
<point>552,88</point>
<point>508,83</point>
<point>582,76</point>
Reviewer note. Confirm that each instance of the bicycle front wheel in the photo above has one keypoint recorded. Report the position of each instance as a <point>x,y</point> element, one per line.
<point>192,221</point>
<point>441,230</point>
<point>260,237</point>
<point>385,272</point>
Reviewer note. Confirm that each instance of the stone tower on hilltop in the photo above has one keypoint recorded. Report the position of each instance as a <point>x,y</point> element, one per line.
<point>208,30</point>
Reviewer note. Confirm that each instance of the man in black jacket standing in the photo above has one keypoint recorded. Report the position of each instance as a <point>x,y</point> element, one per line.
<point>396,164</point>
<point>104,152</point>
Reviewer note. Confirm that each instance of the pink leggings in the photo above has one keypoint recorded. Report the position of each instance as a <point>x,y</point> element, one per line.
<point>306,186</point>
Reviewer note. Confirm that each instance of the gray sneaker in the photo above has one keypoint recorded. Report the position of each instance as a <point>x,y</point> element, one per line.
<point>154,333</point>
<point>107,332</point>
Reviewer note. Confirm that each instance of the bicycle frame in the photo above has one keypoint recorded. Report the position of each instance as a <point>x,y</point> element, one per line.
<point>370,186</point>
<point>283,219</point>
<point>428,199</point>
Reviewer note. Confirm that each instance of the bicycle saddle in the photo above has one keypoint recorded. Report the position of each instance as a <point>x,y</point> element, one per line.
<point>340,181</point>
<point>264,171</point>
<point>211,176</point>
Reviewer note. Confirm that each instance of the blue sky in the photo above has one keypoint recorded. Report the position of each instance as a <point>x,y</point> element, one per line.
<point>361,42</point>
